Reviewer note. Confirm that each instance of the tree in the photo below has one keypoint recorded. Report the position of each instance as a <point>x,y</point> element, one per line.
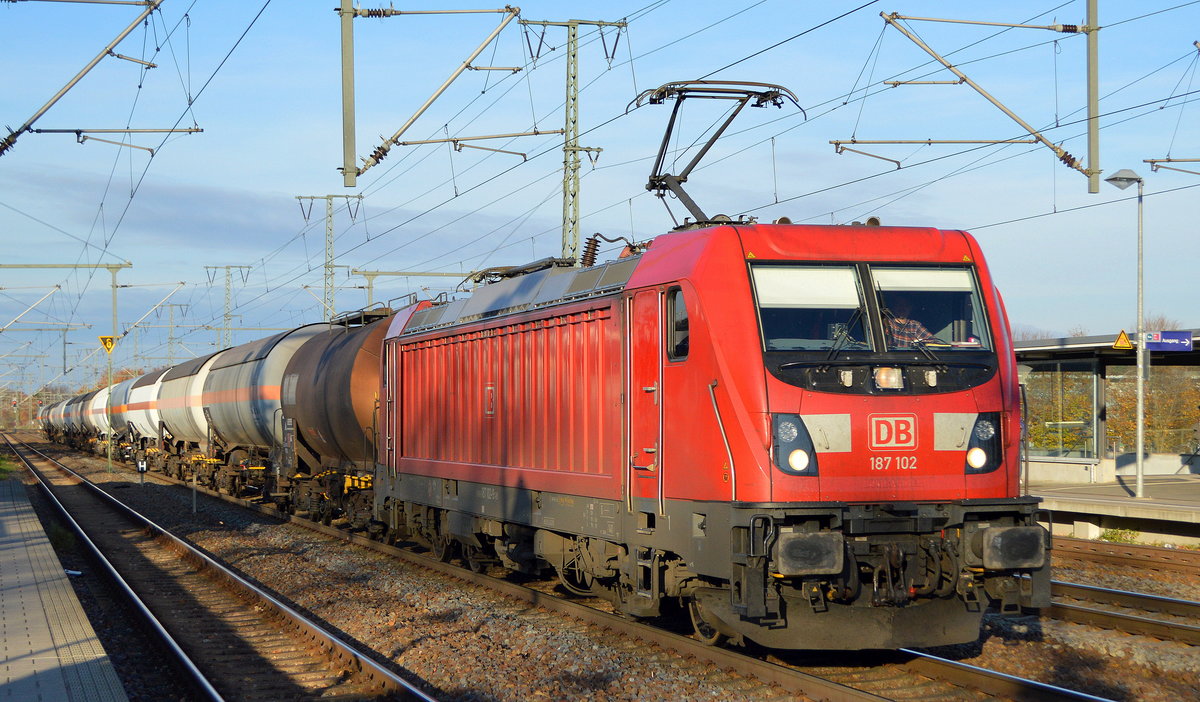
<point>119,376</point>
<point>1024,332</point>
<point>1160,322</point>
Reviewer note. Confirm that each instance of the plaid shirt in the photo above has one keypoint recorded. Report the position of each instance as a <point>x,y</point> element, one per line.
<point>906,332</point>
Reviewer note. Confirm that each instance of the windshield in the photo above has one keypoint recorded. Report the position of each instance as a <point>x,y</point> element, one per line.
<point>935,307</point>
<point>811,308</point>
<point>825,307</point>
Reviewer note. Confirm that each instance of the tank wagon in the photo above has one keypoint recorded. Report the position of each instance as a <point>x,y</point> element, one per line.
<point>246,420</point>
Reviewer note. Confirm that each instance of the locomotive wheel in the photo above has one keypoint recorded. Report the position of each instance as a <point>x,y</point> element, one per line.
<point>705,632</point>
<point>475,559</point>
<point>575,579</point>
<point>443,547</point>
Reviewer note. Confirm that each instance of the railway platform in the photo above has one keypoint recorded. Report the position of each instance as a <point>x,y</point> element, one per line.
<point>1169,512</point>
<point>50,650</point>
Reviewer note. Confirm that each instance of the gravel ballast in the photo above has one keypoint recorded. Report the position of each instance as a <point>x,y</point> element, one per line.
<point>467,643</point>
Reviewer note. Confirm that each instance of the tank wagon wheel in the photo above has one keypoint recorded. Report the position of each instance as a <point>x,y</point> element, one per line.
<point>705,632</point>
<point>233,479</point>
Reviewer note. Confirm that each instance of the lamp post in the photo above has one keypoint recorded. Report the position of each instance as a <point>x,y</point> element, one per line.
<point>1123,179</point>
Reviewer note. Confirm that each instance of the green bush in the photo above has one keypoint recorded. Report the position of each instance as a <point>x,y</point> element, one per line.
<point>1120,536</point>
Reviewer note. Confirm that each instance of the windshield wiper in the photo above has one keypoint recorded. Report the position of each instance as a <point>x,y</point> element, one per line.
<point>918,344</point>
<point>930,355</point>
<point>843,334</point>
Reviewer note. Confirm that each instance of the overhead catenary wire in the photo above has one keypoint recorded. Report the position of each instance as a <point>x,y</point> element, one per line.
<point>1190,71</point>
<point>549,150</point>
<point>623,200</point>
<point>108,237</point>
<point>979,227</point>
<point>409,220</point>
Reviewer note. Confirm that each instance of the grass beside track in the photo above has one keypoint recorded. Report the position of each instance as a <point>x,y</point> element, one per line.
<point>7,467</point>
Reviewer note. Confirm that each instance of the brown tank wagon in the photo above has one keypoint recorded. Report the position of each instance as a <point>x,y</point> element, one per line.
<point>330,392</point>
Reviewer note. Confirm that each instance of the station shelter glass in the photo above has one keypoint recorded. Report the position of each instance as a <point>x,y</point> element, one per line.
<point>1080,401</point>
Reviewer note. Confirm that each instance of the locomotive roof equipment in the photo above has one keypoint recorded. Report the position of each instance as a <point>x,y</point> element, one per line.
<point>755,94</point>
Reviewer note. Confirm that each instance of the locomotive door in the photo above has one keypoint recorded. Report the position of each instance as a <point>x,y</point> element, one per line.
<point>643,321</point>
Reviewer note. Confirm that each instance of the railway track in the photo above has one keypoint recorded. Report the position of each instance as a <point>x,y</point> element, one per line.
<point>914,675</point>
<point>1178,624</point>
<point>1153,558</point>
<point>908,675</point>
<point>232,639</point>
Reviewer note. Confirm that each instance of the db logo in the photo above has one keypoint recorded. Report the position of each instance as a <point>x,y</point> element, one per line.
<point>892,431</point>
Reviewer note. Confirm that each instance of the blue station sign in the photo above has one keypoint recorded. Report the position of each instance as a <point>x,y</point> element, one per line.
<point>1168,341</point>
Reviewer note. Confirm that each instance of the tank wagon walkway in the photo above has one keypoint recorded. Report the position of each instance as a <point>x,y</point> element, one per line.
<point>50,651</point>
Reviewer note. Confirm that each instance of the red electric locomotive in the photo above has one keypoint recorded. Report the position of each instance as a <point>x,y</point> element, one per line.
<point>806,434</point>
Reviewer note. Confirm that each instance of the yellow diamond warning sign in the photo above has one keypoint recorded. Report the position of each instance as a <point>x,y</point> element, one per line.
<point>108,342</point>
<point>1122,342</point>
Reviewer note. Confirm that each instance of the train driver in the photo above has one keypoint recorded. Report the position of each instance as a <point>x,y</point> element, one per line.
<point>902,330</point>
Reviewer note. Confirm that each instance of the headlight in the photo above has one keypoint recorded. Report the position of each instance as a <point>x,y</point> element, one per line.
<point>889,378</point>
<point>787,431</point>
<point>984,450</point>
<point>792,449</point>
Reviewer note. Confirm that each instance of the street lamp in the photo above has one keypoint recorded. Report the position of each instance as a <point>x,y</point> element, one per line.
<point>1123,179</point>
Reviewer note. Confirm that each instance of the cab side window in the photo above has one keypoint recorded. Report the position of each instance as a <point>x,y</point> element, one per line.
<point>677,330</point>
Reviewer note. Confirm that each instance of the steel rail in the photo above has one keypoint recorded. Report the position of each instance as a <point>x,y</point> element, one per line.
<point>1128,623</point>
<point>1120,621</point>
<point>793,681</point>
<point>991,681</point>
<point>987,681</point>
<point>392,682</point>
<point>1123,598</point>
<point>195,679</point>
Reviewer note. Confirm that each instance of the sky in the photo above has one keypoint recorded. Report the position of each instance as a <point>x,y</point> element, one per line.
<point>263,81</point>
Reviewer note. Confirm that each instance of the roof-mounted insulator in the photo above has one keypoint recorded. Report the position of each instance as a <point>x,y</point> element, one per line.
<point>591,248</point>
